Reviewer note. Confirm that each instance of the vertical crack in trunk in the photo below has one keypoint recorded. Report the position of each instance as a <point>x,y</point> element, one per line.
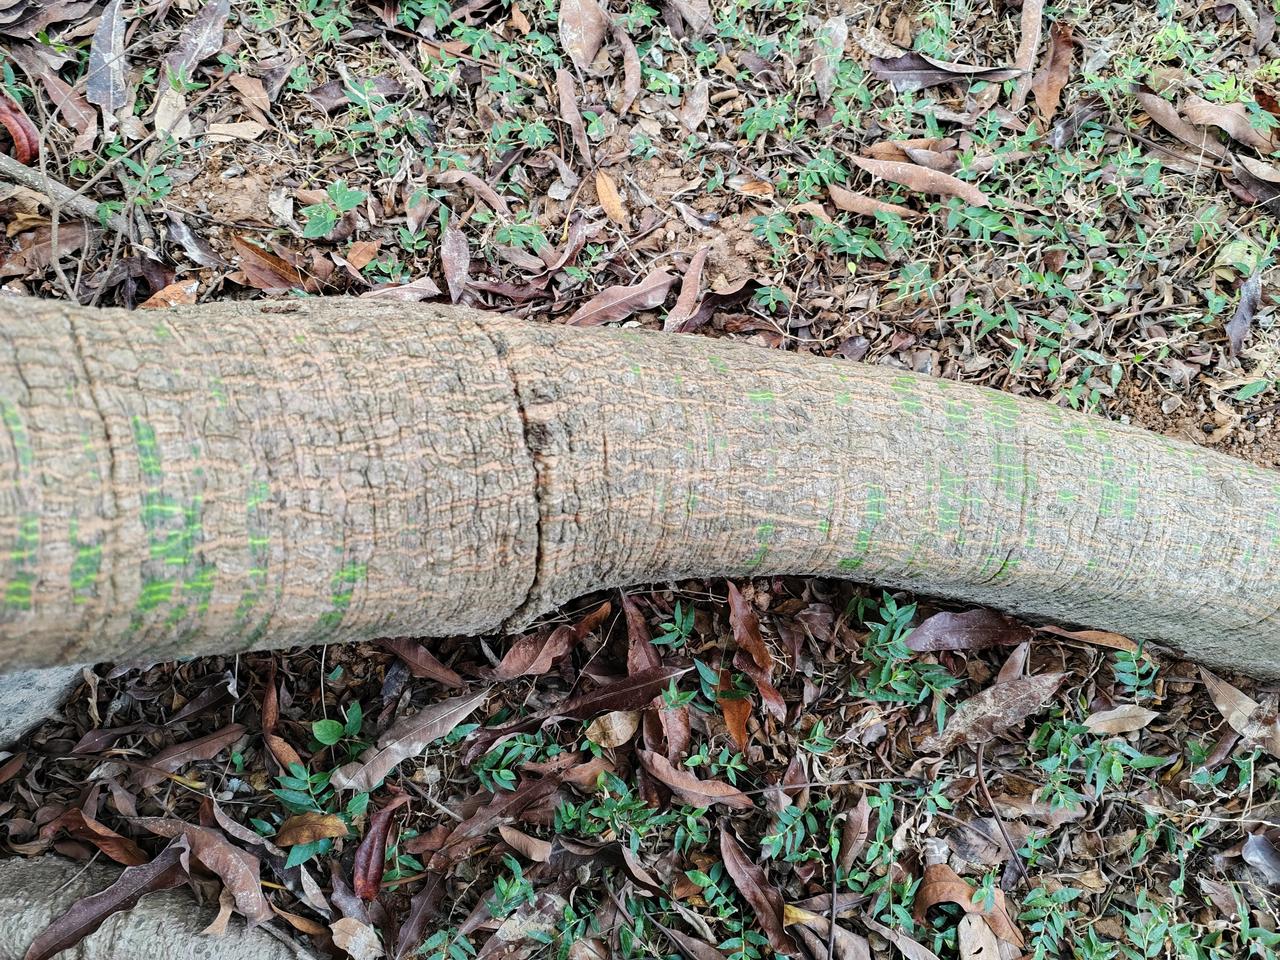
<point>520,612</point>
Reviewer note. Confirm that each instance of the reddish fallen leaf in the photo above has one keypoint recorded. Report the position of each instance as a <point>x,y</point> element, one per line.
<point>82,826</point>
<point>264,270</point>
<point>1052,77</point>
<point>763,898</point>
<point>237,870</point>
<point>852,202</point>
<point>923,180</point>
<point>985,716</point>
<point>310,827</point>
<point>420,661</point>
<point>690,789</point>
<point>283,754</point>
<point>534,653</point>
<point>25,137</point>
<point>941,884</point>
<point>582,25</point>
<point>754,657</point>
<point>735,710</point>
<point>690,287</point>
<point>406,738</point>
<point>87,915</point>
<point>179,293</point>
<point>372,853</point>
<point>972,630</point>
<point>750,186</point>
<point>505,807</point>
<point>173,758</point>
<point>641,653</point>
<point>610,199</point>
<point>11,767</point>
<point>621,301</point>
<point>631,693</point>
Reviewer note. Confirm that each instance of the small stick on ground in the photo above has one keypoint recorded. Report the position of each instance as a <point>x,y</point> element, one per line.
<point>1004,834</point>
<point>59,194</point>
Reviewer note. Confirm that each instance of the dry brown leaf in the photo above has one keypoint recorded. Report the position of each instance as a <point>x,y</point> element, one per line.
<point>569,113</point>
<point>310,827</point>
<point>237,870</point>
<point>1231,118</point>
<point>371,854</point>
<point>975,939</point>
<point>251,90</point>
<point>853,202</point>
<point>917,71</point>
<point>406,738</point>
<point>455,259</point>
<point>690,288</point>
<point>610,199</point>
<point>533,654</point>
<point>1025,57</point>
<point>1052,77</point>
<point>420,661</point>
<point>750,186</point>
<point>986,715</point>
<point>845,945</point>
<point>82,826</point>
<point>424,288</point>
<point>1163,113</point>
<point>174,758</point>
<point>582,25</point>
<point>1125,718</point>
<point>87,914</point>
<point>764,899</point>
<point>620,301</point>
<point>693,112</point>
<point>178,293</point>
<point>265,270</point>
<point>531,848</point>
<point>909,948</point>
<point>972,630</point>
<point>690,789</point>
<point>613,729</point>
<point>923,180</point>
<point>941,884</point>
<point>357,938</point>
<point>631,75</point>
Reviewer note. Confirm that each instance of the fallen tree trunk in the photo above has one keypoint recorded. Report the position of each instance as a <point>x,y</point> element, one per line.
<point>244,475</point>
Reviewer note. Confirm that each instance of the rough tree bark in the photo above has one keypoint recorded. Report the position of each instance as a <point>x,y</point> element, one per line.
<point>245,475</point>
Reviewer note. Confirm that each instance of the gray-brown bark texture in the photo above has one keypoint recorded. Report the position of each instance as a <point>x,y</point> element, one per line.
<point>245,475</point>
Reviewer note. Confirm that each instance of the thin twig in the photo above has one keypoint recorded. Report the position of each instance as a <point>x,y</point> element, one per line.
<point>59,193</point>
<point>1004,834</point>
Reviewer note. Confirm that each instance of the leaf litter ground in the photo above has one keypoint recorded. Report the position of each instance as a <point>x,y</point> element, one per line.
<point>1071,202</point>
